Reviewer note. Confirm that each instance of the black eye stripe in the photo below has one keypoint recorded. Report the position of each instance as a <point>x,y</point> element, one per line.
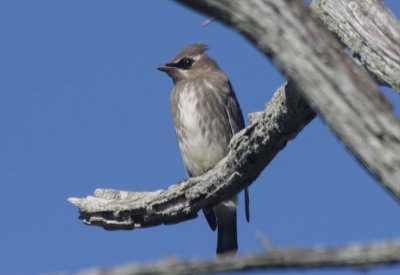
<point>185,63</point>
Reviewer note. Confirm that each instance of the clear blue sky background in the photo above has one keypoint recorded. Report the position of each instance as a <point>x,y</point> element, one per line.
<point>82,106</point>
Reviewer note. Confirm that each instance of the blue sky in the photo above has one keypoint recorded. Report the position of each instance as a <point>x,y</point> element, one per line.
<point>83,107</point>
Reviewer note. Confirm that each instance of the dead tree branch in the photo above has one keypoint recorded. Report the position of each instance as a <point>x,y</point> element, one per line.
<point>370,31</point>
<point>339,90</point>
<point>329,81</point>
<point>251,150</point>
<point>353,256</point>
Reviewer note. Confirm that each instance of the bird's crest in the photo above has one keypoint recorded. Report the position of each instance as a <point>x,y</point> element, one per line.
<point>192,50</point>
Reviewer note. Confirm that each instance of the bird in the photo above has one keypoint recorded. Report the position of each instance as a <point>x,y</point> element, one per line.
<point>206,114</point>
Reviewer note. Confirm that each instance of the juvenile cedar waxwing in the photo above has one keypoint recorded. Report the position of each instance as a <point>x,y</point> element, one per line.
<point>206,115</point>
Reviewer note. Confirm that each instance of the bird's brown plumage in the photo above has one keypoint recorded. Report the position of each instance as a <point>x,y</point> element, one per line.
<point>206,115</point>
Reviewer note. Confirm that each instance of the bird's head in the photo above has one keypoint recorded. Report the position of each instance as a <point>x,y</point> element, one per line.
<point>189,63</point>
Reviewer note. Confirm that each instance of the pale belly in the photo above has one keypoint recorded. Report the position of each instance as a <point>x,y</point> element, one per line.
<point>201,144</point>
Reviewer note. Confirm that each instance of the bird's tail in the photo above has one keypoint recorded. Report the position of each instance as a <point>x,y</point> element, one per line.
<point>227,239</point>
<point>227,229</point>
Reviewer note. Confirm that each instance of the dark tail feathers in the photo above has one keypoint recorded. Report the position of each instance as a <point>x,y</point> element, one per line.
<point>227,238</point>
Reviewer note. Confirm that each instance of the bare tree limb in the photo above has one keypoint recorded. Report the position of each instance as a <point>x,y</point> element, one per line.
<point>352,256</point>
<point>339,90</point>
<point>251,150</point>
<point>331,83</point>
<point>370,31</point>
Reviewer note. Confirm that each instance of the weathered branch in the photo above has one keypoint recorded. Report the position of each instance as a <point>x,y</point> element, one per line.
<point>339,90</point>
<point>353,256</point>
<point>331,83</point>
<point>251,150</point>
<point>370,31</point>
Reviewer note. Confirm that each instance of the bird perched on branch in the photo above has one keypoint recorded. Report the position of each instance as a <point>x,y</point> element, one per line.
<point>206,115</point>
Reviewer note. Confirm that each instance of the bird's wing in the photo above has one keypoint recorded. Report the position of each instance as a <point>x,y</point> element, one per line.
<point>208,212</point>
<point>247,203</point>
<point>234,112</point>
<point>237,123</point>
<point>210,217</point>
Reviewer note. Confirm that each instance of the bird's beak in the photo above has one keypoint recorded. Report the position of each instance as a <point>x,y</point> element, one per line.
<point>165,68</point>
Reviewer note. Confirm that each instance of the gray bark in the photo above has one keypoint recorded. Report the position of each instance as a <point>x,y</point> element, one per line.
<point>370,31</point>
<point>359,256</point>
<point>329,81</point>
<point>250,151</point>
<point>334,85</point>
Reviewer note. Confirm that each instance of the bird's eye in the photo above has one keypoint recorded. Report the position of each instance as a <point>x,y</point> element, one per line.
<point>185,63</point>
